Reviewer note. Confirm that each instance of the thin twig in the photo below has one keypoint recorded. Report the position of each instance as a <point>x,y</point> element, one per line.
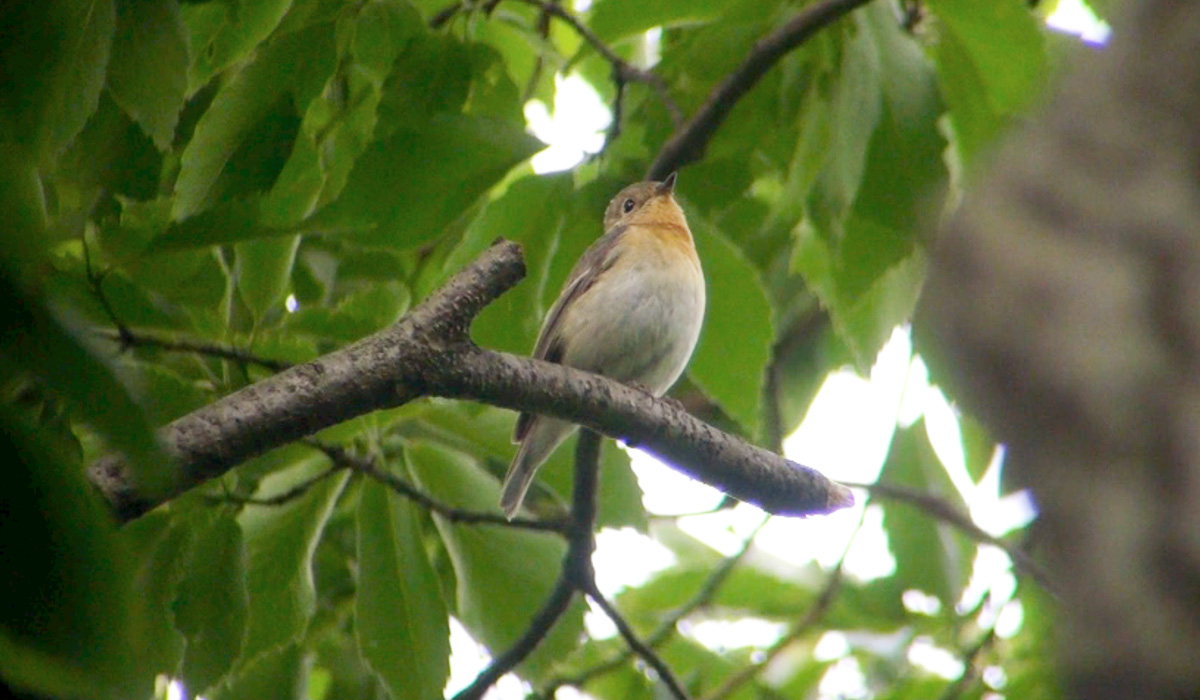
<point>812,616</point>
<point>638,646</point>
<point>539,627</point>
<point>445,14</point>
<point>689,141</point>
<point>539,62</point>
<point>96,280</point>
<point>576,570</point>
<point>132,339</point>
<point>618,111</point>
<point>623,70</point>
<point>280,498</point>
<point>702,598</point>
<point>368,467</point>
<point>969,674</point>
<point>942,510</point>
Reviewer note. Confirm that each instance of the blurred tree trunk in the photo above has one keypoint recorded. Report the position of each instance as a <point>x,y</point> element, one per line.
<point>1066,295</point>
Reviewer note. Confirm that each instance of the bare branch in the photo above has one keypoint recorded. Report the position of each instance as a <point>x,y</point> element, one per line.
<point>689,141</point>
<point>662,428</point>
<point>576,573</point>
<point>428,353</point>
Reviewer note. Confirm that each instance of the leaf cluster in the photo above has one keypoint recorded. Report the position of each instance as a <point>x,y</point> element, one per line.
<point>282,177</point>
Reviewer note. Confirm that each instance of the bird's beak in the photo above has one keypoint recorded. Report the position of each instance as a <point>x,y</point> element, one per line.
<point>667,186</point>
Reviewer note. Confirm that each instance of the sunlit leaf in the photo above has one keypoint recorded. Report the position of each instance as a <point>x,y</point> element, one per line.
<point>737,330</point>
<point>931,555</point>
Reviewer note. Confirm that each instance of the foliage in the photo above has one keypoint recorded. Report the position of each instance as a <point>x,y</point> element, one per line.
<point>180,169</point>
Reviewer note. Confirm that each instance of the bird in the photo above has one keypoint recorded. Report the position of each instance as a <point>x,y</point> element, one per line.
<point>631,309</point>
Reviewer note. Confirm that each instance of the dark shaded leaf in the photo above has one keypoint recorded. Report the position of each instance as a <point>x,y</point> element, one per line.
<point>148,71</point>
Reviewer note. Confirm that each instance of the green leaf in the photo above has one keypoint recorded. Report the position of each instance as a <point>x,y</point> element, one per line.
<point>931,555</point>
<point>148,71</point>
<point>382,30</point>
<point>613,20</point>
<point>441,169</point>
<point>276,675</point>
<point>211,606</point>
<point>43,344</point>
<point>224,33</point>
<point>737,329</point>
<point>228,222</point>
<point>503,576</point>
<point>65,628</point>
<point>243,104</point>
<point>400,619</point>
<point>1030,665</point>
<point>263,269</point>
<point>855,106</point>
<point>530,212</point>
<point>355,316</point>
<point>162,543</point>
<point>341,119</point>
<point>279,546</point>
<point>53,60</point>
<point>163,393</point>
<point>867,266</point>
<point>748,590</point>
<point>992,64</point>
<point>978,446</point>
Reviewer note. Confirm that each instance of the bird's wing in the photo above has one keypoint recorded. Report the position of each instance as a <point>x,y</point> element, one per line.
<point>551,346</point>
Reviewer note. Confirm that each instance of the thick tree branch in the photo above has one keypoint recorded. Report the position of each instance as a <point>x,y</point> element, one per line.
<point>429,353</point>
<point>659,427</point>
<point>689,141</point>
<point>380,371</point>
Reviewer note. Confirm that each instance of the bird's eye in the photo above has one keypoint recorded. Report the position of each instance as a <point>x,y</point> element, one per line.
<point>628,206</point>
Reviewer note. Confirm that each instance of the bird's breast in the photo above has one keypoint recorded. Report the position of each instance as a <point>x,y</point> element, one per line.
<point>640,321</point>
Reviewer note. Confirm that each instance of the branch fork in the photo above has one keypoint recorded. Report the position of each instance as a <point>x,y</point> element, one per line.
<point>429,353</point>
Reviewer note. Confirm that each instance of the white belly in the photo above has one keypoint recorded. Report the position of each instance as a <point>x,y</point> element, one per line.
<point>644,322</point>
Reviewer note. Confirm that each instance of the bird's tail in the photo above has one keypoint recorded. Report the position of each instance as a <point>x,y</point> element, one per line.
<point>543,435</point>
